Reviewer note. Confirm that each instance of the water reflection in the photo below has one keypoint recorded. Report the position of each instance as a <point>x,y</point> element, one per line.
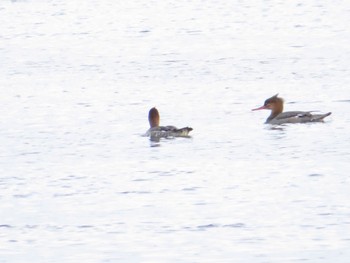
<point>155,140</point>
<point>276,128</point>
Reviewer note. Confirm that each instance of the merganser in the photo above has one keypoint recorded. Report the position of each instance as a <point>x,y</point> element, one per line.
<point>277,116</point>
<point>156,131</point>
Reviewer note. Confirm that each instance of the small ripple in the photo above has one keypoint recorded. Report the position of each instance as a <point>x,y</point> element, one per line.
<point>307,226</point>
<point>166,174</point>
<point>29,153</point>
<point>134,192</point>
<point>64,195</point>
<point>173,61</point>
<point>167,229</point>
<point>6,226</point>
<point>194,32</point>
<point>325,214</point>
<point>190,189</point>
<point>31,226</point>
<point>201,203</point>
<point>346,101</point>
<point>85,226</point>
<point>315,175</point>
<point>83,104</point>
<point>22,195</point>
<point>302,259</point>
<point>140,180</point>
<point>237,225</point>
<point>72,177</point>
<point>209,226</point>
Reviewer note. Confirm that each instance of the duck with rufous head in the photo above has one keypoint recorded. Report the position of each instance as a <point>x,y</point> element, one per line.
<point>277,116</point>
<point>157,131</point>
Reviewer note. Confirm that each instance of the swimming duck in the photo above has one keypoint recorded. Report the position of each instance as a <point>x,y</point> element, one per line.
<point>277,116</point>
<point>156,131</point>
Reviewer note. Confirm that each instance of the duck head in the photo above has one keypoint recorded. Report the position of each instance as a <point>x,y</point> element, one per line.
<point>153,117</point>
<point>275,104</point>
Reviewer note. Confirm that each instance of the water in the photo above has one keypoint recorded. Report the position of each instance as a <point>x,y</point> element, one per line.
<point>79,183</point>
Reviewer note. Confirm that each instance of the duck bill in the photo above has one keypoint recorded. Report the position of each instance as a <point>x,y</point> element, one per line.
<point>261,108</point>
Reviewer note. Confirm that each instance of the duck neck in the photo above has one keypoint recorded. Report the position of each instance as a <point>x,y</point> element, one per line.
<point>276,110</point>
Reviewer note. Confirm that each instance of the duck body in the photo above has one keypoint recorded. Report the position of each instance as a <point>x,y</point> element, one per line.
<point>168,131</point>
<point>296,117</point>
<point>277,116</point>
<point>157,131</point>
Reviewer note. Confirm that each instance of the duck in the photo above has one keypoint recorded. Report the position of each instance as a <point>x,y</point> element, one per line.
<point>277,116</point>
<point>156,131</point>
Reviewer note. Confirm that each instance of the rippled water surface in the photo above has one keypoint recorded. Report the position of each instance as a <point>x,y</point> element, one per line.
<point>79,182</point>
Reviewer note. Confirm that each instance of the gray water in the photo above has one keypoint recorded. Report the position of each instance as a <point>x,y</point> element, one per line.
<point>79,182</point>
